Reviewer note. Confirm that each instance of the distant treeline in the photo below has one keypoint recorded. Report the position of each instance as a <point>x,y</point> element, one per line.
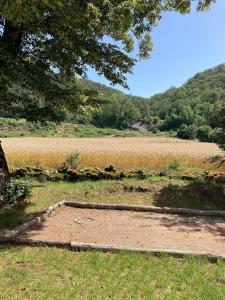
<point>195,110</point>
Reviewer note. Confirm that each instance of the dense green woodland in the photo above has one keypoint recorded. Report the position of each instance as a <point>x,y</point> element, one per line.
<point>46,46</point>
<point>195,110</point>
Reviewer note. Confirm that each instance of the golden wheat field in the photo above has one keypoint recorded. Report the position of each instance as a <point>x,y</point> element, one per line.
<point>124,152</point>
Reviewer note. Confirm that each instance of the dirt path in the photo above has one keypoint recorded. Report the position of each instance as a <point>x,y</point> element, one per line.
<point>133,229</point>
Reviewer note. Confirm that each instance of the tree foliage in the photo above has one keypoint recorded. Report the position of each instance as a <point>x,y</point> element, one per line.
<point>119,113</point>
<point>194,110</point>
<point>45,43</point>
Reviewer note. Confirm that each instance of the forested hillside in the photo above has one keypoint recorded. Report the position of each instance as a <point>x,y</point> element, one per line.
<point>192,110</point>
<point>116,109</point>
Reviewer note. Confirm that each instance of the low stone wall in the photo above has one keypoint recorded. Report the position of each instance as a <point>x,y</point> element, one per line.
<point>110,173</point>
<point>72,175</point>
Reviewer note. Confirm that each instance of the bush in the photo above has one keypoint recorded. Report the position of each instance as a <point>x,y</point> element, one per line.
<point>15,191</point>
<point>72,161</point>
<point>204,133</point>
<point>187,132</point>
<point>218,137</point>
<point>174,165</point>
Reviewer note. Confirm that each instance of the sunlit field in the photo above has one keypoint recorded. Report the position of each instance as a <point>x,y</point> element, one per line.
<point>123,153</point>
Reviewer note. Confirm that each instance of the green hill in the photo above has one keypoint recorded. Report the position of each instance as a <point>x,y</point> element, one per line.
<point>192,106</point>
<point>190,111</point>
<point>205,87</point>
<point>118,110</point>
<point>105,90</point>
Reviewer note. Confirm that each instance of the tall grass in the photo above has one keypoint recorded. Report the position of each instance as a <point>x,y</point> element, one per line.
<point>123,160</point>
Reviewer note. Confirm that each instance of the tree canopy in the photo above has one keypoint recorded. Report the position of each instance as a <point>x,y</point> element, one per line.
<point>44,44</point>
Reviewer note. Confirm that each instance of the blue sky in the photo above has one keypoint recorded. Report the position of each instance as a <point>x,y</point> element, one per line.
<point>183,46</point>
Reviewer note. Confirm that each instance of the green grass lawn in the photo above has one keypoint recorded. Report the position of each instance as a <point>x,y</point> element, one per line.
<point>49,273</point>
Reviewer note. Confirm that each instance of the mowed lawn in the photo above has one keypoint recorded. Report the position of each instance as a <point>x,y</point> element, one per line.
<point>50,273</point>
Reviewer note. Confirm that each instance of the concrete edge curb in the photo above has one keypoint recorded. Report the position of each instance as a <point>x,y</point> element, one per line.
<point>74,246</point>
<point>168,210</point>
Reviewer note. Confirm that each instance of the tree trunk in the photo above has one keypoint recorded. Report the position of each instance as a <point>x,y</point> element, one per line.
<point>10,41</point>
<point>4,170</point>
<point>12,37</point>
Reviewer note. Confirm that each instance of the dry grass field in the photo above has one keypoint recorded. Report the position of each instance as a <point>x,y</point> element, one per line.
<point>126,152</point>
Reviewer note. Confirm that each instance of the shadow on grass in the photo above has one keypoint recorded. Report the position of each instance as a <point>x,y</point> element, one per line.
<point>198,195</point>
<point>15,215</point>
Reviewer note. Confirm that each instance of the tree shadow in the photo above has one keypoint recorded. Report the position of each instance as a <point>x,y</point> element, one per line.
<point>12,216</point>
<point>196,195</point>
<point>188,223</point>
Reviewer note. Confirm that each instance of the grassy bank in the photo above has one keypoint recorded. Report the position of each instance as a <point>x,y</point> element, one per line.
<point>10,127</point>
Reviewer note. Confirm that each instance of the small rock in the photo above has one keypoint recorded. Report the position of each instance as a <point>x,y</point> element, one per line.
<point>110,169</point>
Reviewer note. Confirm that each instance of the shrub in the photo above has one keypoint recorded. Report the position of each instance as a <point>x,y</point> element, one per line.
<point>15,191</point>
<point>174,165</point>
<point>204,133</point>
<point>72,161</point>
<point>187,132</point>
<point>218,136</point>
